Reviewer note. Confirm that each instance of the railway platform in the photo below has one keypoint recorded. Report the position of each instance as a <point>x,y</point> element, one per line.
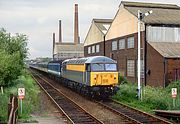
<point>45,114</point>
<point>174,114</point>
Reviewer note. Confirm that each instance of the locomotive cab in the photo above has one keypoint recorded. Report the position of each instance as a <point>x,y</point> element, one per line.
<point>101,74</point>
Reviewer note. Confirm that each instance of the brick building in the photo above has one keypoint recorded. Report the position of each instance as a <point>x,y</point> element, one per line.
<point>160,44</point>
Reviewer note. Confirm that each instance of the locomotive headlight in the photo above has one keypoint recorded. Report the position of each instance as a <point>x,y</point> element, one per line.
<point>95,77</point>
<point>114,76</point>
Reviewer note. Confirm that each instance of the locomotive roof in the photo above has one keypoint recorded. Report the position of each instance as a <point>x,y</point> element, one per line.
<point>94,59</point>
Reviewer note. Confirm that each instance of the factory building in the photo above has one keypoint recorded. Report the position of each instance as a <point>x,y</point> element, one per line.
<point>62,50</point>
<point>160,42</point>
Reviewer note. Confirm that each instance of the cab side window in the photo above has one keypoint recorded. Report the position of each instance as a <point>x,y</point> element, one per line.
<point>88,67</point>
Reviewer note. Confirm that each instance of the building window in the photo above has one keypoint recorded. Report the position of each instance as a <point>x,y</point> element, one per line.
<point>130,42</point>
<point>93,49</point>
<point>97,48</point>
<point>122,44</point>
<point>130,68</point>
<point>89,50</point>
<point>142,68</point>
<point>114,45</point>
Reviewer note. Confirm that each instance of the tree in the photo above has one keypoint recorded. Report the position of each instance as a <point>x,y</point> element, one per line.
<point>13,51</point>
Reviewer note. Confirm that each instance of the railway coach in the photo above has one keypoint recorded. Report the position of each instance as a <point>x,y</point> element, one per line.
<point>95,75</point>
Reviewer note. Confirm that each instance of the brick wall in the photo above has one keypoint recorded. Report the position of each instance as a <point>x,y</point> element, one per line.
<point>172,65</point>
<point>155,64</point>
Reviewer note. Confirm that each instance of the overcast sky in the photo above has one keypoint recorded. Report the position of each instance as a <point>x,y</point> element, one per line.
<point>38,19</point>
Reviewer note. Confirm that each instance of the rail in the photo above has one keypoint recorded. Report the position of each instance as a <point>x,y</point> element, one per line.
<point>132,114</point>
<point>12,109</point>
<point>73,112</point>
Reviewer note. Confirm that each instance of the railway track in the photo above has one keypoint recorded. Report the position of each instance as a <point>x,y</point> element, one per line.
<point>74,113</point>
<point>132,114</point>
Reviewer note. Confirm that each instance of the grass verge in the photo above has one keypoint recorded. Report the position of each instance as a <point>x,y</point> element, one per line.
<point>152,98</point>
<point>30,102</point>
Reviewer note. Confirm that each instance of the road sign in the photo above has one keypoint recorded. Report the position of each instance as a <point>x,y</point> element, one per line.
<point>174,92</point>
<point>21,93</point>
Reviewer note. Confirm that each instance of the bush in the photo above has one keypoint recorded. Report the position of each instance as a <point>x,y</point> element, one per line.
<point>153,98</point>
<point>30,102</point>
<point>122,80</point>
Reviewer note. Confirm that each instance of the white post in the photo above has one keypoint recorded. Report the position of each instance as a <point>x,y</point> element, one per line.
<point>21,106</point>
<point>139,56</point>
<point>2,90</point>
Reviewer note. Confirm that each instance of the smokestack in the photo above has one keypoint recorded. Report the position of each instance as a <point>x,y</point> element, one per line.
<point>60,33</point>
<point>53,44</point>
<point>76,30</point>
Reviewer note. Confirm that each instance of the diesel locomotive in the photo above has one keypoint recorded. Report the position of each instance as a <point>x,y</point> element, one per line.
<point>92,76</point>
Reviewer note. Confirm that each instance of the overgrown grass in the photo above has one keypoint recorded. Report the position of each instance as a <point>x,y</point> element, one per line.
<point>30,102</point>
<point>152,98</point>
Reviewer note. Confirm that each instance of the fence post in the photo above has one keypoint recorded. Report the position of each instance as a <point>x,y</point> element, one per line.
<point>12,109</point>
<point>10,105</point>
<point>15,109</point>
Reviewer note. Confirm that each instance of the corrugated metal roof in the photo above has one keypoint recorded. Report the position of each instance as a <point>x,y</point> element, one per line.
<point>162,13</point>
<point>167,49</point>
<point>69,47</point>
<point>103,24</point>
<point>149,5</point>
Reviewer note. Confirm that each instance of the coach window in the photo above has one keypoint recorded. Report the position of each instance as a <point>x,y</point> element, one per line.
<point>114,45</point>
<point>130,42</point>
<point>97,67</point>
<point>110,67</point>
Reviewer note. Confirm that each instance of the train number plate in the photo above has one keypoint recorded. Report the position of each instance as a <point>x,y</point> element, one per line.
<point>105,80</point>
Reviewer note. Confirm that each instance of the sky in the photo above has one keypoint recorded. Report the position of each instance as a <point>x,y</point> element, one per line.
<point>38,19</point>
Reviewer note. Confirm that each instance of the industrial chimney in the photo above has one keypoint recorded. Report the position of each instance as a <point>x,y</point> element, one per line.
<point>76,29</point>
<point>53,45</point>
<point>60,32</point>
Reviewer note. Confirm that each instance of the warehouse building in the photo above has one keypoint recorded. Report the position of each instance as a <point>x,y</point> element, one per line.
<point>160,44</point>
<point>64,50</point>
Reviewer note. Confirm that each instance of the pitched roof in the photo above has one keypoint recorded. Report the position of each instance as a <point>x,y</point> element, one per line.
<point>101,27</point>
<point>103,24</point>
<point>162,13</point>
<point>167,49</point>
<point>65,47</point>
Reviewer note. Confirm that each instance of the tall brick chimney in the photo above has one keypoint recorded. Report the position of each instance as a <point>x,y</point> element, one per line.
<point>76,29</point>
<point>60,32</point>
<point>53,44</point>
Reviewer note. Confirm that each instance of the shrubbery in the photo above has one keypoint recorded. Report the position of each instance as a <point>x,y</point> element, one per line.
<point>153,98</point>
<point>13,51</point>
<point>31,97</point>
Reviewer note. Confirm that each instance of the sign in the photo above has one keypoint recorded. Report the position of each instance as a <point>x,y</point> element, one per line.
<point>21,93</point>
<point>174,92</point>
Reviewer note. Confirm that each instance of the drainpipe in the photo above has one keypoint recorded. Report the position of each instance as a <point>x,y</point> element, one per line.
<point>104,46</point>
<point>165,62</point>
<point>145,57</point>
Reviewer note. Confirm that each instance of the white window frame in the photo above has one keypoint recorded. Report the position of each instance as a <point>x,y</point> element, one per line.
<point>89,50</point>
<point>121,44</point>
<point>114,45</point>
<point>97,48</point>
<point>93,49</point>
<point>130,68</point>
<point>130,42</point>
